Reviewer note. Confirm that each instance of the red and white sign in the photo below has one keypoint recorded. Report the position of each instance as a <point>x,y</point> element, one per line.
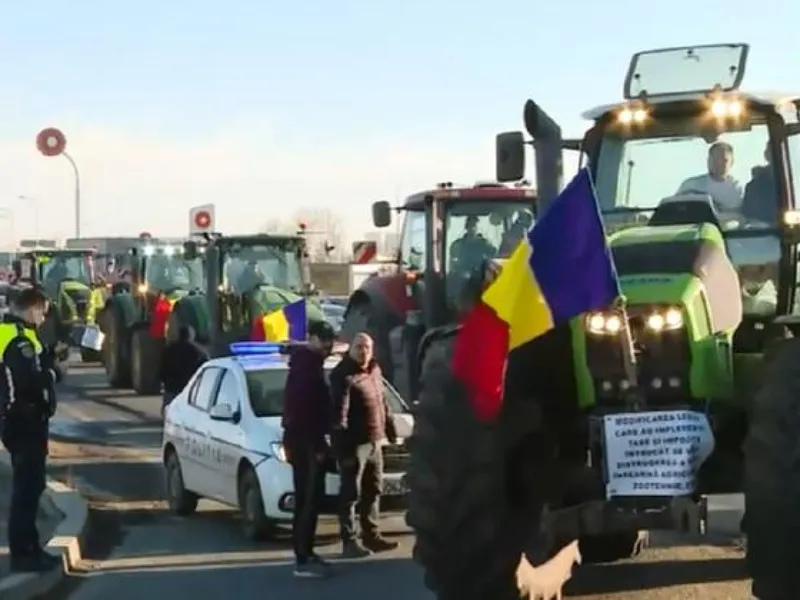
<point>201,219</point>
<point>364,251</point>
<point>51,141</point>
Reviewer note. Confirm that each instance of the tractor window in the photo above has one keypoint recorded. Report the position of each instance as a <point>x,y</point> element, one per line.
<point>172,271</point>
<point>57,268</point>
<point>249,267</point>
<point>413,246</point>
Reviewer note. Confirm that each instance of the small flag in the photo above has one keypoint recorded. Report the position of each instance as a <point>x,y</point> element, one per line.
<point>288,323</point>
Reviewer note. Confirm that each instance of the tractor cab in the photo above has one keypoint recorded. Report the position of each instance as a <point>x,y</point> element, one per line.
<point>68,277</point>
<point>450,234</point>
<point>248,277</point>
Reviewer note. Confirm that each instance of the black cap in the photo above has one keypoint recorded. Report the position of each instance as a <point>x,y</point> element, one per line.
<point>321,329</point>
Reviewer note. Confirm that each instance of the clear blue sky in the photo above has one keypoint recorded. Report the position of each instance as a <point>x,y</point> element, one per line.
<point>263,106</point>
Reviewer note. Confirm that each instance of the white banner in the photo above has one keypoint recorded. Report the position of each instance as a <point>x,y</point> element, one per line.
<point>655,453</point>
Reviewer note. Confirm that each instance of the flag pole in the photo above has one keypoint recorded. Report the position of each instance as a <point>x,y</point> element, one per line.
<point>634,398</point>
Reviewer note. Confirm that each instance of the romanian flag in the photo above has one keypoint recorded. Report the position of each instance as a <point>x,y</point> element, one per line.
<point>285,324</point>
<point>561,269</point>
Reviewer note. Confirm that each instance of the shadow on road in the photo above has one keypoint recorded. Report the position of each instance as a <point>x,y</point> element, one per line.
<point>614,578</point>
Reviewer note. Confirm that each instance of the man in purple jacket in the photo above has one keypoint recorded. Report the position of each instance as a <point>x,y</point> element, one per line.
<point>307,412</point>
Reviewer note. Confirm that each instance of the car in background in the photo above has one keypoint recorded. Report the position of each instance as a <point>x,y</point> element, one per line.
<point>223,439</point>
<point>334,314</point>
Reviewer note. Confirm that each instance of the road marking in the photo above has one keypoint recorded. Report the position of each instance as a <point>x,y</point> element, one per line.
<point>73,412</point>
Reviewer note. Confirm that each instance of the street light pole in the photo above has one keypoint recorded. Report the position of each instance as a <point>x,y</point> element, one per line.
<point>77,194</point>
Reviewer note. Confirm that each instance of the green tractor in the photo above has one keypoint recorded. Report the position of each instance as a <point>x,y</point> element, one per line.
<point>68,276</point>
<point>248,277</point>
<point>621,422</point>
<point>136,318</point>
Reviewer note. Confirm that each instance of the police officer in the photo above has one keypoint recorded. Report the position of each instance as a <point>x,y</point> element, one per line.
<point>27,401</point>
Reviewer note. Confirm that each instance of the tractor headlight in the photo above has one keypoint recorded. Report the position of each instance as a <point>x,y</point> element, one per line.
<point>604,324</point>
<point>665,320</point>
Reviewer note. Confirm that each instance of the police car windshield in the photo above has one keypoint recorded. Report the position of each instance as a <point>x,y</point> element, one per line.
<point>265,389</point>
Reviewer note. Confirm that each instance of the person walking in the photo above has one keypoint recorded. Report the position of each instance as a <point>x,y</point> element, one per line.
<point>362,423</point>
<point>27,401</point>
<point>179,363</point>
<point>306,423</point>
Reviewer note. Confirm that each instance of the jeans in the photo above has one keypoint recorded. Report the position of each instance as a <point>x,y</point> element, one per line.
<point>309,492</point>
<point>27,485</point>
<point>361,474</point>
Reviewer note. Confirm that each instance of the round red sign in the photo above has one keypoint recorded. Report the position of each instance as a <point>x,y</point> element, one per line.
<point>51,141</point>
<point>202,219</point>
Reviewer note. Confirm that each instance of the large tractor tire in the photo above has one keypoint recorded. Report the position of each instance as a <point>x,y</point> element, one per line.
<point>476,529</point>
<point>772,478</point>
<point>116,356</point>
<point>360,318</point>
<point>145,358</point>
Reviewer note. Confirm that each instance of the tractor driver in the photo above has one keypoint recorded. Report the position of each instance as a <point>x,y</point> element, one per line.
<point>761,194</point>
<point>251,277</point>
<point>717,182</point>
<point>57,273</point>
<point>468,252</point>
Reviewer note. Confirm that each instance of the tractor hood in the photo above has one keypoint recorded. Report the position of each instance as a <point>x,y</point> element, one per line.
<point>72,286</point>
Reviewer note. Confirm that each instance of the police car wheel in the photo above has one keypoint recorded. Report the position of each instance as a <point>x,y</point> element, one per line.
<point>255,524</point>
<point>181,501</point>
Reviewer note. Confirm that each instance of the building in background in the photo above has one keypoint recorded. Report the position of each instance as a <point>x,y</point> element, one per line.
<point>388,241</point>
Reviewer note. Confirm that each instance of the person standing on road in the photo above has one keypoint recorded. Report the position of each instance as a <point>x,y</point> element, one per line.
<point>179,362</point>
<point>362,423</point>
<point>306,423</point>
<point>27,401</point>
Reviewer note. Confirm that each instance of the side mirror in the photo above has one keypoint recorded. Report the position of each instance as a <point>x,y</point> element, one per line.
<point>510,156</point>
<point>190,250</point>
<point>222,412</point>
<point>381,214</point>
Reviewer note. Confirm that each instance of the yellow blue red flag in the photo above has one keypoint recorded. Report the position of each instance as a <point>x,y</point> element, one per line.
<point>286,324</point>
<point>561,269</point>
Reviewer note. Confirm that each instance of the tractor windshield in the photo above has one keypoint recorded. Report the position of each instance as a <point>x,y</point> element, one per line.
<point>55,268</point>
<point>167,269</point>
<point>477,231</point>
<point>249,267</point>
<point>639,169</point>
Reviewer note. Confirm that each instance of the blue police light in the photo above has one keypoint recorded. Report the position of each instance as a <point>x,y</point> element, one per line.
<point>256,348</point>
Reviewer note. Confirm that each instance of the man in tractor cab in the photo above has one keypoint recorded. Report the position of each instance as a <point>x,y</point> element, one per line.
<point>55,276</point>
<point>717,182</point>
<point>250,278</point>
<point>468,252</point>
<point>761,194</point>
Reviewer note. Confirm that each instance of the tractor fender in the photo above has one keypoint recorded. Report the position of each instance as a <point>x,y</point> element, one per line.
<point>387,293</point>
<point>191,310</point>
<point>124,305</point>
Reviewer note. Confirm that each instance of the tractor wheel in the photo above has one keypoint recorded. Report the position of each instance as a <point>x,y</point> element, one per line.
<point>145,355</point>
<point>476,538</point>
<point>772,479</point>
<point>115,352</point>
<point>361,319</point>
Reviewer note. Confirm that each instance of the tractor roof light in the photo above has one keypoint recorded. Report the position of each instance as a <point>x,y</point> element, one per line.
<point>633,115</point>
<point>791,218</point>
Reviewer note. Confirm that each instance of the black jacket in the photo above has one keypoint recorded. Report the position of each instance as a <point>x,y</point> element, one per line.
<point>27,391</point>
<point>306,401</point>
<point>180,361</point>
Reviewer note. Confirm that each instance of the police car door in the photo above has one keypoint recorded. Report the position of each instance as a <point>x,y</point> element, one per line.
<point>226,436</point>
<point>197,463</point>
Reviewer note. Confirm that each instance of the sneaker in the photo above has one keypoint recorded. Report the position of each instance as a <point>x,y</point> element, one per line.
<point>312,569</point>
<point>380,544</point>
<point>354,550</point>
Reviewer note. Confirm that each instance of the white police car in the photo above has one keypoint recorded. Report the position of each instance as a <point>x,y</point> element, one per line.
<point>222,439</point>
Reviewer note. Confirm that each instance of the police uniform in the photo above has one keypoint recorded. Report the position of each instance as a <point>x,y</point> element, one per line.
<point>27,401</point>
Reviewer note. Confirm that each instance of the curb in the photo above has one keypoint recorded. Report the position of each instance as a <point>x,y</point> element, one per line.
<point>66,540</point>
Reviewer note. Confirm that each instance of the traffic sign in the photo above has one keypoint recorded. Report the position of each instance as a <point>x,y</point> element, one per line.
<point>51,141</point>
<point>364,251</point>
<point>201,219</point>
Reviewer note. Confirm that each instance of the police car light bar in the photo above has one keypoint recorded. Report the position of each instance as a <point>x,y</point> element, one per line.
<point>256,348</point>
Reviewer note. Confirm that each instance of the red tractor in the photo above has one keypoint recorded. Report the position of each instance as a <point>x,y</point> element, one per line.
<point>449,236</point>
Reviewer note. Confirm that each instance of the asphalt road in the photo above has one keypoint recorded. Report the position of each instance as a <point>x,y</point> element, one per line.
<point>107,445</point>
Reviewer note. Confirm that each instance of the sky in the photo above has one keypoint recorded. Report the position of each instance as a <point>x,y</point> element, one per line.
<point>264,107</point>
